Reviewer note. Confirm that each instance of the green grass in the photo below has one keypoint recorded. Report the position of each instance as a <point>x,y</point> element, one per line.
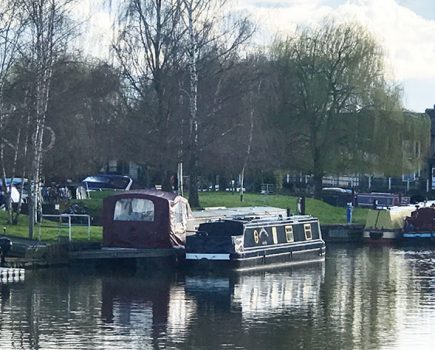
<point>326,213</point>
<point>49,230</point>
<point>52,231</point>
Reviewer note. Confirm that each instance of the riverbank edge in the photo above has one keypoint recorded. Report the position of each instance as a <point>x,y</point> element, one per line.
<point>31,254</point>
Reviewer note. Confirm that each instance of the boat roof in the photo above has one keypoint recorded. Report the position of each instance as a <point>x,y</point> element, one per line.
<point>267,220</point>
<point>223,212</point>
<point>148,192</point>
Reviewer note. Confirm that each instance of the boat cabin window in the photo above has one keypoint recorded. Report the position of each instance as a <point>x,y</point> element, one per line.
<point>308,232</point>
<point>289,234</point>
<point>134,209</point>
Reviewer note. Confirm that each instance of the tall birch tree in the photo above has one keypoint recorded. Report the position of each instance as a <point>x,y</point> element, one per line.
<point>11,26</point>
<point>48,31</point>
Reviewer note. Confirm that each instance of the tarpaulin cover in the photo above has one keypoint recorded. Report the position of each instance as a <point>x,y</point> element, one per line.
<point>215,237</point>
<point>145,219</point>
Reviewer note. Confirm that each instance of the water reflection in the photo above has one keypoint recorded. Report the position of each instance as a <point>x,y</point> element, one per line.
<point>147,306</point>
<point>263,306</point>
<point>372,293</point>
<point>295,290</point>
<point>260,294</point>
<point>359,298</point>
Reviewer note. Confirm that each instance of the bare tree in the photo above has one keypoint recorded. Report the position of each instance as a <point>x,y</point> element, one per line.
<point>204,21</point>
<point>147,47</point>
<point>48,30</point>
<point>85,109</point>
<point>252,112</point>
<point>11,26</point>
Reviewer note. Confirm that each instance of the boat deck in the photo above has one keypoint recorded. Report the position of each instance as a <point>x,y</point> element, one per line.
<point>121,253</point>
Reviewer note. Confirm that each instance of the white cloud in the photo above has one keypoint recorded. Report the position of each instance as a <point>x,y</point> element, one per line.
<point>96,27</point>
<point>281,17</point>
<point>409,39</point>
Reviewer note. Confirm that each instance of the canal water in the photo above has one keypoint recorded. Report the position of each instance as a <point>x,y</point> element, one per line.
<point>362,297</point>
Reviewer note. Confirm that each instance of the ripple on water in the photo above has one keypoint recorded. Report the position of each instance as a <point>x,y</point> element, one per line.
<point>360,298</point>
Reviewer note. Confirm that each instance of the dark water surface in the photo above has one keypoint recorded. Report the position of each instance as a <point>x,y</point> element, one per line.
<point>360,298</point>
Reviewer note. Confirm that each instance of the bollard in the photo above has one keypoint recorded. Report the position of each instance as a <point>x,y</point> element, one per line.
<point>349,209</point>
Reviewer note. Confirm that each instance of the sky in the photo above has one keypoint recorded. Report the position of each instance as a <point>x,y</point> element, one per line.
<point>404,28</point>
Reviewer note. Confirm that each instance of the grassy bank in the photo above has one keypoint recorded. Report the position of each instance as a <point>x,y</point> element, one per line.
<point>326,213</point>
<point>51,231</point>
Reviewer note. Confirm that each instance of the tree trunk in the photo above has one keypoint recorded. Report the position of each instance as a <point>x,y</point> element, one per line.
<point>43,18</point>
<point>317,179</point>
<point>193,106</point>
<point>25,151</point>
<point>317,172</point>
<point>193,186</point>
<point>248,150</point>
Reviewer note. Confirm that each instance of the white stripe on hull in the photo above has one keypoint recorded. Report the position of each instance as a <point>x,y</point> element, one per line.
<point>295,252</point>
<point>195,256</point>
<point>319,259</point>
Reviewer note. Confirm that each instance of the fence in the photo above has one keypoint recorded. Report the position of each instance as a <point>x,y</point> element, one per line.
<point>267,188</point>
<point>61,223</point>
